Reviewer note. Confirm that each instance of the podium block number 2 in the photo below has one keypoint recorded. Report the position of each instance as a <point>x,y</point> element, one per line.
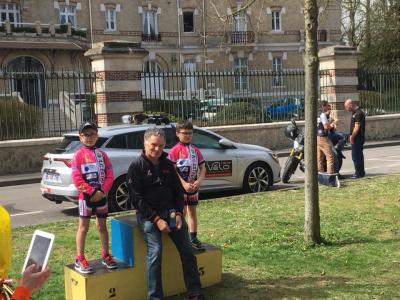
<point>112,292</point>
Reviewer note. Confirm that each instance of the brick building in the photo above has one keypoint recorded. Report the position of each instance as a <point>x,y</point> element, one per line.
<point>189,34</point>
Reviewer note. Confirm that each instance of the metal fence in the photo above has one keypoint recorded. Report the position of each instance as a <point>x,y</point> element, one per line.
<point>225,97</point>
<point>379,90</point>
<point>44,104</point>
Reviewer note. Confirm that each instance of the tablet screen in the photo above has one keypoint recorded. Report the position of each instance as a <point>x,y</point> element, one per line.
<point>39,251</point>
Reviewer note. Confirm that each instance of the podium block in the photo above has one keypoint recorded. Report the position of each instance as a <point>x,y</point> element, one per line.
<point>121,283</point>
<point>129,281</point>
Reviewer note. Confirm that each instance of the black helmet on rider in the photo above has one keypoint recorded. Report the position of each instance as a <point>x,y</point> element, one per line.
<point>291,131</point>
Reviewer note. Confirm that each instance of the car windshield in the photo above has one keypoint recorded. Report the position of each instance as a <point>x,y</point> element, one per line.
<point>71,143</point>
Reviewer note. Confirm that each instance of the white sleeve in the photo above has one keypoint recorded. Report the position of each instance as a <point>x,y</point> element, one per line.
<point>324,119</point>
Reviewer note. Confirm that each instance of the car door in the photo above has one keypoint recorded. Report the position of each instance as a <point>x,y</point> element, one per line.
<point>221,163</point>
<point>122,149</point>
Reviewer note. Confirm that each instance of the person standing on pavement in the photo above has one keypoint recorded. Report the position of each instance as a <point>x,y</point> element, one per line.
<point>357,136</point>
<point>324,145</point>
<point>157,196</point>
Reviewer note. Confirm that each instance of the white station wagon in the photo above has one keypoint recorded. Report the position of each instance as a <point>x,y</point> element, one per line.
<point>229,165</point>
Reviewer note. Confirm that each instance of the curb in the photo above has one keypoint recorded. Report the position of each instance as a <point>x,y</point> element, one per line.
<point>286,152</point>
<point>36,178</point>
<point>12,182</point>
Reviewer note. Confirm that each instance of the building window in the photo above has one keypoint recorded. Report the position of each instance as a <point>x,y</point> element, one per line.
<point>188,21</point>
<point>31,88</point>
<point>10,12</point>
<point>150,30</point>
<point>241,79</point>
<point>68,14</point>
<point>111,18</point>
<point>240,22</point>
<point>277,67</point>
<point>276,20</point>
<point>149,22</point>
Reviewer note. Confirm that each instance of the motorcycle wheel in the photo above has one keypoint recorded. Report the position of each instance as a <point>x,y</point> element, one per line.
<point>289,169</point>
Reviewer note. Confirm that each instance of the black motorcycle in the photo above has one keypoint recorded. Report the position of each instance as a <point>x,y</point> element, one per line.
<point>296,157</point>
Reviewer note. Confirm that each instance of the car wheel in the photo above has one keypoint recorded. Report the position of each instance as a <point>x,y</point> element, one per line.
<point>258,178</point>
<point>118,197</point>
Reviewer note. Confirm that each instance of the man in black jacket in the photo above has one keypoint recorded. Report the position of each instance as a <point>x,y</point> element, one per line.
<point>157,196</point>
<point>357,136</point>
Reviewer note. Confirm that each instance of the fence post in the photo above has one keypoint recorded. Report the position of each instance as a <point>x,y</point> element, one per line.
<point>338,80</point>
<point>118,66</point>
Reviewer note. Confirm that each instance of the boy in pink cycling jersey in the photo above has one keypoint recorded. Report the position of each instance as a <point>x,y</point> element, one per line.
<point>93,176</point>
<point>191,168</point>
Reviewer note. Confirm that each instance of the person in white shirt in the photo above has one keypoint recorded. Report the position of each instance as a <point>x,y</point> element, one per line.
<point>324,145</point>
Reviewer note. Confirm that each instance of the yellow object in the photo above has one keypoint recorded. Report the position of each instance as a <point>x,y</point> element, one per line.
<point>130,283</point>
<point>123,283</point>
<point>5,242</point>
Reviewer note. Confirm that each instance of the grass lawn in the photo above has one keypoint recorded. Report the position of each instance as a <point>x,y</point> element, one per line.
<point>264,255</point>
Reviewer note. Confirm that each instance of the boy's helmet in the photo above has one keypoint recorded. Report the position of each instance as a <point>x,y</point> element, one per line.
<point>291,131</point>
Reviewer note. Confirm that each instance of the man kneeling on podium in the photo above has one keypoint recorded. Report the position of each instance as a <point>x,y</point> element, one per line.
<point>156,194</point>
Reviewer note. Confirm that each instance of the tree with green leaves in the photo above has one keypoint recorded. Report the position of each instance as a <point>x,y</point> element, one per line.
<point>383,46</point>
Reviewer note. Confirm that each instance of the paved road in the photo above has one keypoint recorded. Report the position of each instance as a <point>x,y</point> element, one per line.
<point>27,207</point>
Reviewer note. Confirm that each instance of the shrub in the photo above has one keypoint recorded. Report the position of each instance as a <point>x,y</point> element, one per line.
<point>24,29</point>
<point>239,113</point>
<point>371,102</point>
<point>90,114</point>
<point>78,32</point>
<point>178,108</point>
<point>18,119</point>
<point>62,29</point>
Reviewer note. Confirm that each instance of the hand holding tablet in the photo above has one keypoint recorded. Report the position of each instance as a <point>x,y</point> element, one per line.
<point>39,250</point>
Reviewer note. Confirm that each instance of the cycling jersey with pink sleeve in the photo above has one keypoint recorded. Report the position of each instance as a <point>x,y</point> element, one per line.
<point>91,170</point>
<point>187,158</point>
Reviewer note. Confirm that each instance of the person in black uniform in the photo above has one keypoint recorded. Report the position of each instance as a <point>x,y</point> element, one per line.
<point>357,137</point>
<point>157,196</point>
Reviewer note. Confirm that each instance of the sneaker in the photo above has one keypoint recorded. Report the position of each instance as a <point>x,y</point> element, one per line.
<point>196,244</point>
<point>337,182</point>
<point>109,262</point>
<point>82,266</point>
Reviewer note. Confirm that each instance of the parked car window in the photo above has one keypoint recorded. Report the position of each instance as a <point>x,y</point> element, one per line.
<point>204,140</point>
<point>171,137</point>
<point>71,143</point>
<point>118,142</point>
<point>135,140</point>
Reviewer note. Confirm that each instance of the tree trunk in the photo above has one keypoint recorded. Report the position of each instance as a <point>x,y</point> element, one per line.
<point>311,207</point>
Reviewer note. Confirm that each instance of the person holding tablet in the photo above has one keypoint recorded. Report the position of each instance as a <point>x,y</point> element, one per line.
<point>92,175</point>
